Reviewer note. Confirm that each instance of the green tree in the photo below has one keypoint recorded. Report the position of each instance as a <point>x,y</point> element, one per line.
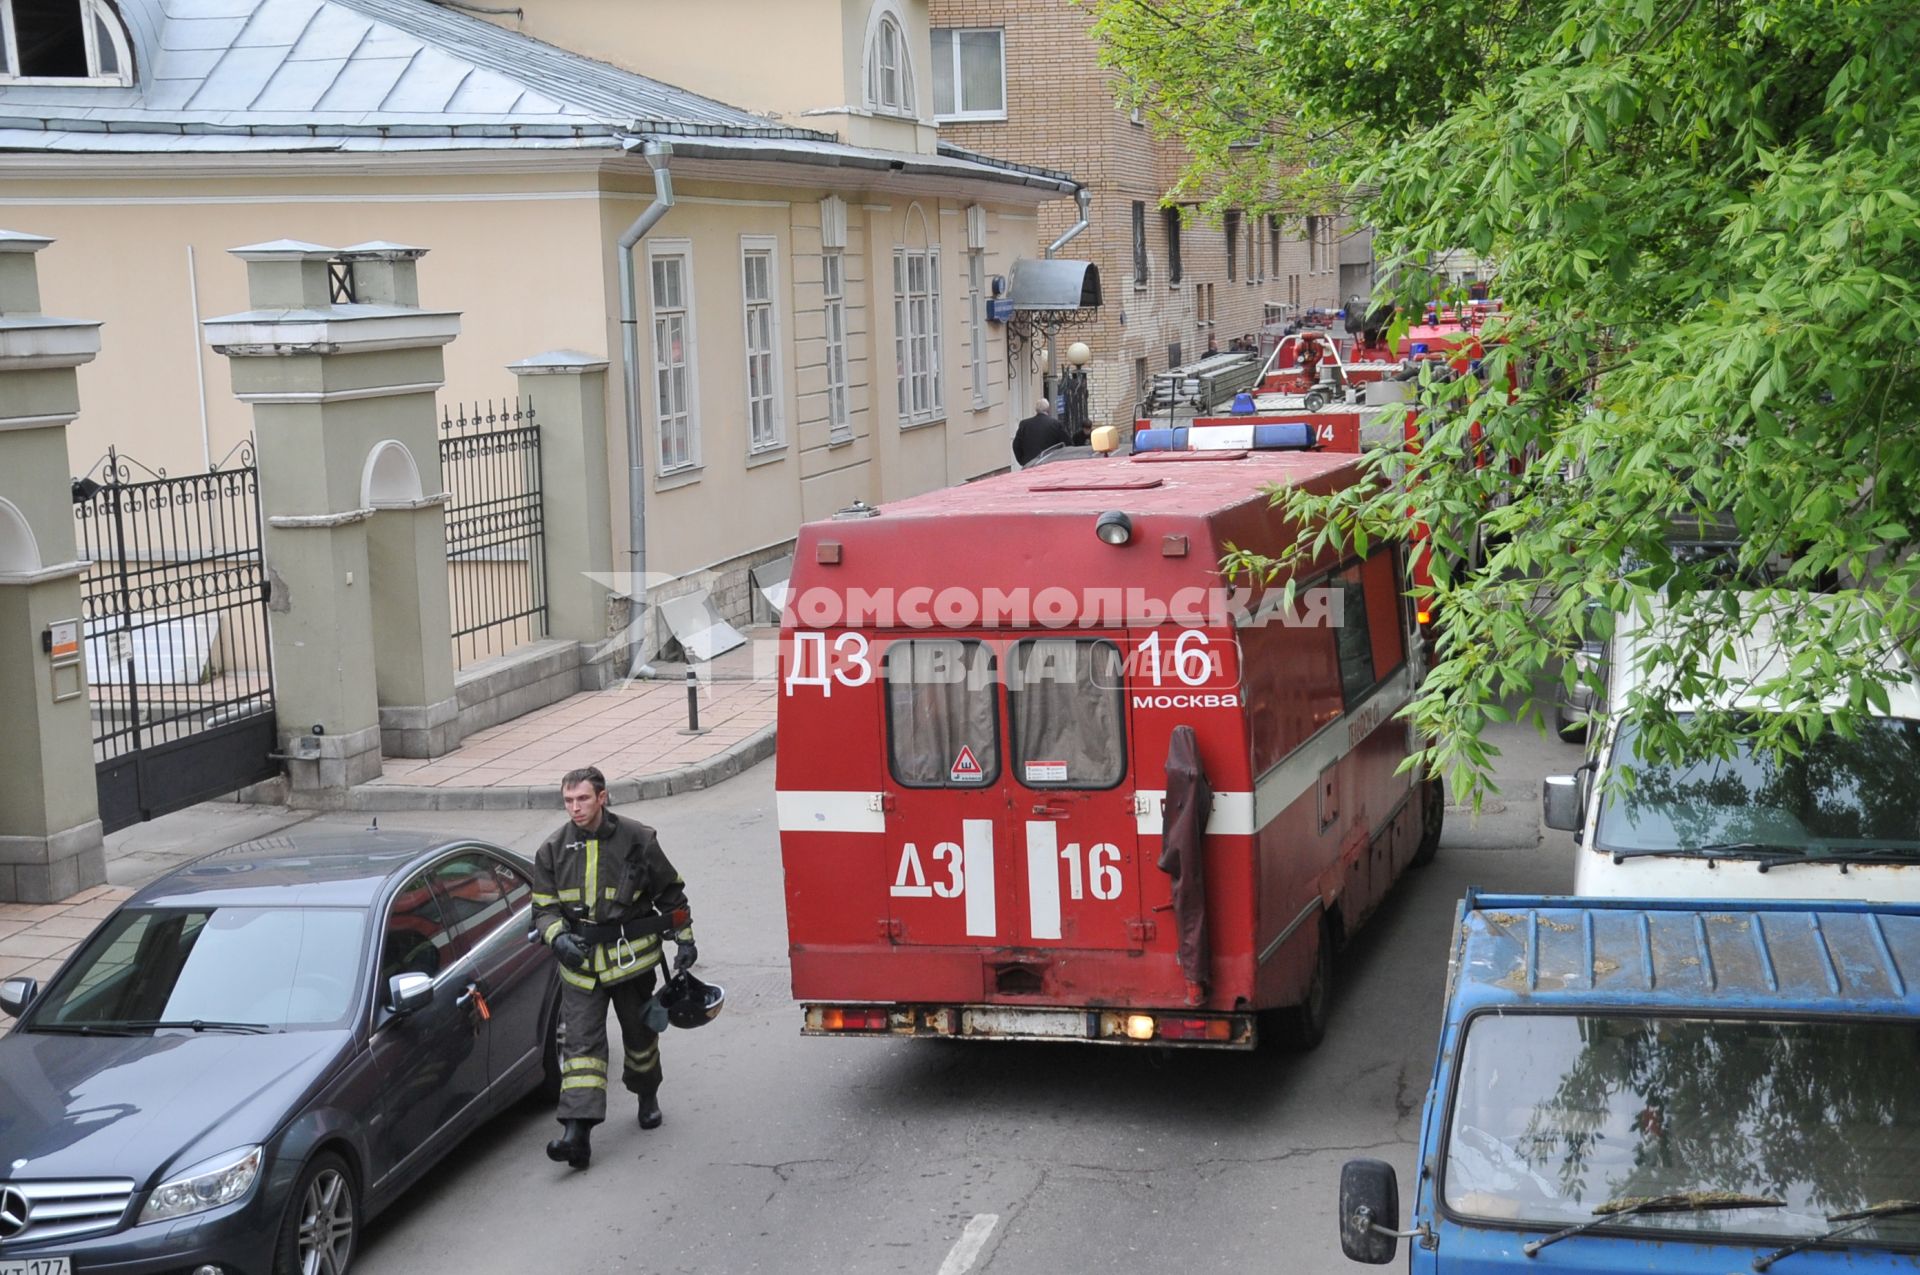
<point>1704,218</point>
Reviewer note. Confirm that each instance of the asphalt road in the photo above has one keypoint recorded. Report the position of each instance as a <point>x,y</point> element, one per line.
<point>791,1155</point>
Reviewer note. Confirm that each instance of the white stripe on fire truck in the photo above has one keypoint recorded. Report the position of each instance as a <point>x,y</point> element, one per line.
<point>976,844</point>
<point>1241,814</point>
<point>817,811</point>
<point>1043,878</point>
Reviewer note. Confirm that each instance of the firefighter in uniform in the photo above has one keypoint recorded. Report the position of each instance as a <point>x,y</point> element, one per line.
<point>604,899</point>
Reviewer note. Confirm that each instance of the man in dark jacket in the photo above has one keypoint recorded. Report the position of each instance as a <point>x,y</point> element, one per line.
<point>1036,435</point>
<point>604,899</point>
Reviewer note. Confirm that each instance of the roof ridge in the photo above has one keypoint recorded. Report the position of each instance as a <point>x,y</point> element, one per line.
<point>565,75</point>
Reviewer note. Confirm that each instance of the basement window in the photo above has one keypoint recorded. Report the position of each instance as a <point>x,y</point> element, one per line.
<point>63,42</point>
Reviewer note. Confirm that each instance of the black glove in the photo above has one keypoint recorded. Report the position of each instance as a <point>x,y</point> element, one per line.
<point>571,951</point>
<point>684,955</point>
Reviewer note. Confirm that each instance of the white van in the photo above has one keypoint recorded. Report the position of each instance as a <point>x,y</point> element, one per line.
<point>1842,821</point>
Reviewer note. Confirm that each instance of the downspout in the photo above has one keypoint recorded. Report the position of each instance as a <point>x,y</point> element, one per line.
<point>1083,197</point>
<point>658,154</point>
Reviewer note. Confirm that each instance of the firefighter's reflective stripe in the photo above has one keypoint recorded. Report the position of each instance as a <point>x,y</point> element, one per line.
<point>643,1059</point>
<point>582,981</point>
<point>544,900</point>
<point>585,1063</point>
<point>553,928</point>
<point>569,895</point>
<point>583,1082</point>
<point>590,888</point>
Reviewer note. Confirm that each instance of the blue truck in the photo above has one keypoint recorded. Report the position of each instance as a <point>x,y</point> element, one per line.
<point>1664,1085</point>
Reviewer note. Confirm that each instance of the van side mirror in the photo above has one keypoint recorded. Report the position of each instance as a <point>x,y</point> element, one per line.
<point>1560,802</point>
<point>1369,1211</point>
<point>409,992</point>
<point>16,994</point>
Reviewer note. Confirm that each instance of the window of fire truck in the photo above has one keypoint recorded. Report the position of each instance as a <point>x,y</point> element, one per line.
<point>1066,710</point>
<point>943,726</point>
<point>1352,636</point>
<point>1367,630</point>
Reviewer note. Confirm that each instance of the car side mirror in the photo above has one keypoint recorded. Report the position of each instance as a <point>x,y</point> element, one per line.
<point>1369,1211</point>
<point>409,992</point>
<point>1560,802</point>
<point>16,994</point>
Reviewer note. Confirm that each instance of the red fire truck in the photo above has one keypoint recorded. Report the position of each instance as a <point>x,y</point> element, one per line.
<point>1002,708</point>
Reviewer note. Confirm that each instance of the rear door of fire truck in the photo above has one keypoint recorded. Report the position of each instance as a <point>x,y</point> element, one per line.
<point>1071,793</point>
<point>1009,808</point>
<point>946,808</point>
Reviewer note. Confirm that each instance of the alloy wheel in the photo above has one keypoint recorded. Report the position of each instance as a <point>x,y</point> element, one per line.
<point>326,1225</point>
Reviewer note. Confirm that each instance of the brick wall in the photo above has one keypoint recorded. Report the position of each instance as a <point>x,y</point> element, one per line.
<point>1061,113</point>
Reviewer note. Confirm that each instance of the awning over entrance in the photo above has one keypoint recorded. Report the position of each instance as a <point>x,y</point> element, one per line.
<point>1053,284</point>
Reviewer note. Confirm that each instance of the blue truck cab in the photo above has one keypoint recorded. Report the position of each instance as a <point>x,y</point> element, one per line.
<point>1664,1085</point>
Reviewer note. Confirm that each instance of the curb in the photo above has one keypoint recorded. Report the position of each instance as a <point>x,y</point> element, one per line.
<point>376,798</point>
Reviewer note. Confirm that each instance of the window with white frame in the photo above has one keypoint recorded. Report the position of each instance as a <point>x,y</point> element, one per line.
<point>916,328</point>
<point>765,426</point>
<point>833,279</point>
<point>673,365</point>
<point>977,322</point>
<point>969,74</point>
<point>889,71</point>
<point>63,41</point>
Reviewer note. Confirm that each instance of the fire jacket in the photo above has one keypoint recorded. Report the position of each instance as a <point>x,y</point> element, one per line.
<point>615,873</point>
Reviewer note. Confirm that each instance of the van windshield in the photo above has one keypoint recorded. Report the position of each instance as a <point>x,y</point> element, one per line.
<point>1557,1115</point>
<point>1844,798</point>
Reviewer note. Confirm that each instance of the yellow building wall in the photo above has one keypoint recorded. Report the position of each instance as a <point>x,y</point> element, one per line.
<point>530,261</point>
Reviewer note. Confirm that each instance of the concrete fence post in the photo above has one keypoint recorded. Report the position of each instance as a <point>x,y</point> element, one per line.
<point>50,840</point>
<point>569,392</point>
<point>345,426</point>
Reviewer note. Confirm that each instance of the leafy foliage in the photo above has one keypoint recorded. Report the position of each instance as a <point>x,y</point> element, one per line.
<point>1705,222</point>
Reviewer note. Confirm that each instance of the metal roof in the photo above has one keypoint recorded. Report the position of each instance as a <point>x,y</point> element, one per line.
<point>1766,955</point>
<point>317,65</point>
<point>329,71</point>
<point>260,77</point>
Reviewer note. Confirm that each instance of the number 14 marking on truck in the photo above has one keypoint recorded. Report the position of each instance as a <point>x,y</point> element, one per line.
<point>965,871</point>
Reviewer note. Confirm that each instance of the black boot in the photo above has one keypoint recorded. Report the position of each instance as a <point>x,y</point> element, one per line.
<point>650,1116</point>
<point>573,1147</point>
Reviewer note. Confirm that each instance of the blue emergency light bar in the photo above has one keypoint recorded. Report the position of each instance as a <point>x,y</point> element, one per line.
<point>1293,436</point>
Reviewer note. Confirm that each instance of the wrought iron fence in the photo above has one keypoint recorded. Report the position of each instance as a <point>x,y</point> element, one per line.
<point>174,628</point>
<point>496,536</point>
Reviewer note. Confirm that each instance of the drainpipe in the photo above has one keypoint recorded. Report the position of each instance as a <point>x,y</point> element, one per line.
<point>1083,197</point>
<point>658,154</point>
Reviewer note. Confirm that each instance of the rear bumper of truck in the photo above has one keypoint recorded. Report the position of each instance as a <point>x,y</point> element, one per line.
<point>1182,1029</point>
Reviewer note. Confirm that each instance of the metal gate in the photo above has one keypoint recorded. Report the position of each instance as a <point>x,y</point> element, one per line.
<point>174,618</point>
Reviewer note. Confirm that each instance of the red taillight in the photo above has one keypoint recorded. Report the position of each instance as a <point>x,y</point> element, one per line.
<point>853,1020</point>
<point>1196,1029</point>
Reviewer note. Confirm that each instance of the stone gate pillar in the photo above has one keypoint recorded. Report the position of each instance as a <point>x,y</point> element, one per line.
<point>50,844</point>
<point>343,402</point>
<point>568,391</point>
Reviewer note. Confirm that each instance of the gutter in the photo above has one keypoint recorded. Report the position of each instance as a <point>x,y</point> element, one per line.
<point>658,155</point>
<point>1084,198</point>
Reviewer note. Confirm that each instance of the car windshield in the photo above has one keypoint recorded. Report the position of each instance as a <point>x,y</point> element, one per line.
<point>1557,1115</point>
<point>1842,797</point>
<point>270,967</point>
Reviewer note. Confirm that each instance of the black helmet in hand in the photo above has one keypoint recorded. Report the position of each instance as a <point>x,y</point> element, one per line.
<point>690,1002</point>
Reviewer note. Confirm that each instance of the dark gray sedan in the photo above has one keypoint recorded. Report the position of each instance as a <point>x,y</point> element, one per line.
<point>261,1050</point>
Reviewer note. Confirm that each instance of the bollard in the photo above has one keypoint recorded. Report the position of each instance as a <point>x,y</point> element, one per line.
<point>693,704</point>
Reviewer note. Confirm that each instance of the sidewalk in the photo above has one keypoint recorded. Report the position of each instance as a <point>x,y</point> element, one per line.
<point>634,732</point>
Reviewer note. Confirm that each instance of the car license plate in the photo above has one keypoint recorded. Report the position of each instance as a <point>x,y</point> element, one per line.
<point>36,1265</point>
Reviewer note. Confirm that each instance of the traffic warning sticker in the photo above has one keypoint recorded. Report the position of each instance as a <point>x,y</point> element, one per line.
<point>965,769</point>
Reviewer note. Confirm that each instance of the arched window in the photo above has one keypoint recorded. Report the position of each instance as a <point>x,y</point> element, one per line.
<point>889,71</point>
<point>63,41</point>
